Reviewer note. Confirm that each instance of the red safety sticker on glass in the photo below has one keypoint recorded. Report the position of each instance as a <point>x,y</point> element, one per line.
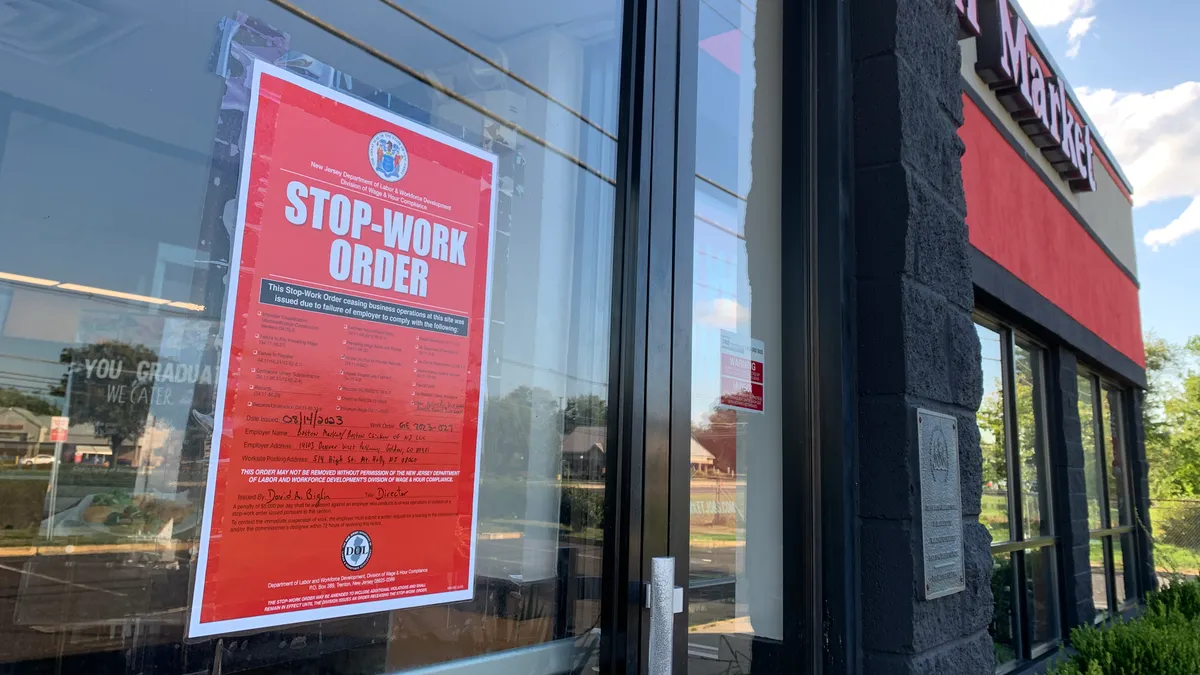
<point>742,359</point>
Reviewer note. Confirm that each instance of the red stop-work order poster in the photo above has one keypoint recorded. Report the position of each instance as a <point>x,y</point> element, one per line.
<point>344,470</point>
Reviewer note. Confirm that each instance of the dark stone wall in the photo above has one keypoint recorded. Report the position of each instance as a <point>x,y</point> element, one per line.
<point>916,344</point>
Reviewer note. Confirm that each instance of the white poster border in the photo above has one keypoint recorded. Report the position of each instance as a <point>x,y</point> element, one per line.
<point>199,629</point>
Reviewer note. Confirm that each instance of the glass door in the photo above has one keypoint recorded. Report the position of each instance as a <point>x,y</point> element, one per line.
<point>734,450</point>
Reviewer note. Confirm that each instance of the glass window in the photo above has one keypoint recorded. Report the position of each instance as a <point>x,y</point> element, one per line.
<point>122,132</point>
<point>1099,557</point>
<point>1115,459</point>
<point>1005,628</point>
<point>1016,496</point>
<point>1091,467</point>
<point>1031,442</point>
<point>736,570</point>
<point>1041,590</point>
<point>991,421</point>
<point>1101,409</point>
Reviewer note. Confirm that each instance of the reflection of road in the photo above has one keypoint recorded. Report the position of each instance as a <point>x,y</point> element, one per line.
<point>101,607</point>
<point>92,598</point>
<point>715,547</point>
<point>1099,589</point>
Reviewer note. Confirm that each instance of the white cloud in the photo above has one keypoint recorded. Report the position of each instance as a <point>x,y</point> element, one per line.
<point>1054,12</point>
<point>1187,223</point>
<point>1156,137</point>
<point>1079,28</point>
<point>722,313</point>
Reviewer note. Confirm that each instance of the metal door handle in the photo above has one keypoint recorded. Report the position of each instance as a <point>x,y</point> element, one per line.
<point>664,600</point>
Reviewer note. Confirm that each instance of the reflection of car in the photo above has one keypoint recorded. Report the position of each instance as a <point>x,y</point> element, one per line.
<point>37,460</point>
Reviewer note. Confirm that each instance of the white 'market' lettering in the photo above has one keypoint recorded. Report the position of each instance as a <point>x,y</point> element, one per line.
<point>1037,99</point>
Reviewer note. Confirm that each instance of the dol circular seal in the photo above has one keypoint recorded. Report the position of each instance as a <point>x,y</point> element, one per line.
<point>356,550</point>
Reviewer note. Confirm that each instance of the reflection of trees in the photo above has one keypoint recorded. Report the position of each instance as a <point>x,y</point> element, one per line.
<point>1001,627</point>
<point>524,422</point>
<point>718,434</point>
<point>588,410</point>
<point>12,398</point>
<point>1087,429</point>
<point>117,413</point>
<point>991,418</point>
<point>991,424</point>
<point>525,428</point>
<point>529,422</point>
<point>1027,431</point>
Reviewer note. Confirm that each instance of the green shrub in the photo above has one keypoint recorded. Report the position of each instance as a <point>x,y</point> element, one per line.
<point>1164,641</point>
<point>1182,598</point>
<point>582,508</point>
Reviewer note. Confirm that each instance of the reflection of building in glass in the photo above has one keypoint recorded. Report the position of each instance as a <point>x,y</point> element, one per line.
<point>583,453</point>
<point>24,435</point>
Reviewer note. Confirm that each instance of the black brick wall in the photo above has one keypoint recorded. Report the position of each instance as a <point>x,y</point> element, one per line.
<point>917,346</point>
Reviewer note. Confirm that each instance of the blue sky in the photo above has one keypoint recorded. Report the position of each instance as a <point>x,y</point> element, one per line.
<point>1136,67</point>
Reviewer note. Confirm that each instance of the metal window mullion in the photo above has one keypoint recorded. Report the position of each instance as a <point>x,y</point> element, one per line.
<point>1110,577</point>
<point>1041,421</point>
<point>1024,632</point>
<point>1016,510</point>
<point>1099,421</point>
<point>1016,506</point>
<point>1132,557</point>
<point>1137,517</point>
<point>1105,498</point>
<point>1027,545</point>
<point>1116,409</point>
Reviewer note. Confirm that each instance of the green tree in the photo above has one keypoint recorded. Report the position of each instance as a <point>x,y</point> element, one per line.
<point>1171,417</point>
<point>522,423</point>
<point>1164,363</point>
<point>1182,456</point>
<point>994,427</point>
<point>1030,375</point>
<point>12,398</point>
<point>990,419</point>
<point>718,433</point>
<point>588,410</point>
<point>105,390</point>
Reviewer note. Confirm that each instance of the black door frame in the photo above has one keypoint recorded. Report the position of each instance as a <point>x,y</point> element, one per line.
<point>636,519</point>
<point>650,367</point>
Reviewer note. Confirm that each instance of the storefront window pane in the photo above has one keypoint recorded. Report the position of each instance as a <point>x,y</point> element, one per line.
<point>1031,442</point>
<point>122,131</point>
<point>1041,595</point>
<point>1091,468</point>
<point>990,419</point>
<point>736,527</point>
<point>1003,628</point>
<point>1115,458</point>
<point>1123,567</point>
<point>1098,557</point>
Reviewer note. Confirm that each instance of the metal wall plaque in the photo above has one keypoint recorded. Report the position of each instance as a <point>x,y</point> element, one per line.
<point>940,526</point>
